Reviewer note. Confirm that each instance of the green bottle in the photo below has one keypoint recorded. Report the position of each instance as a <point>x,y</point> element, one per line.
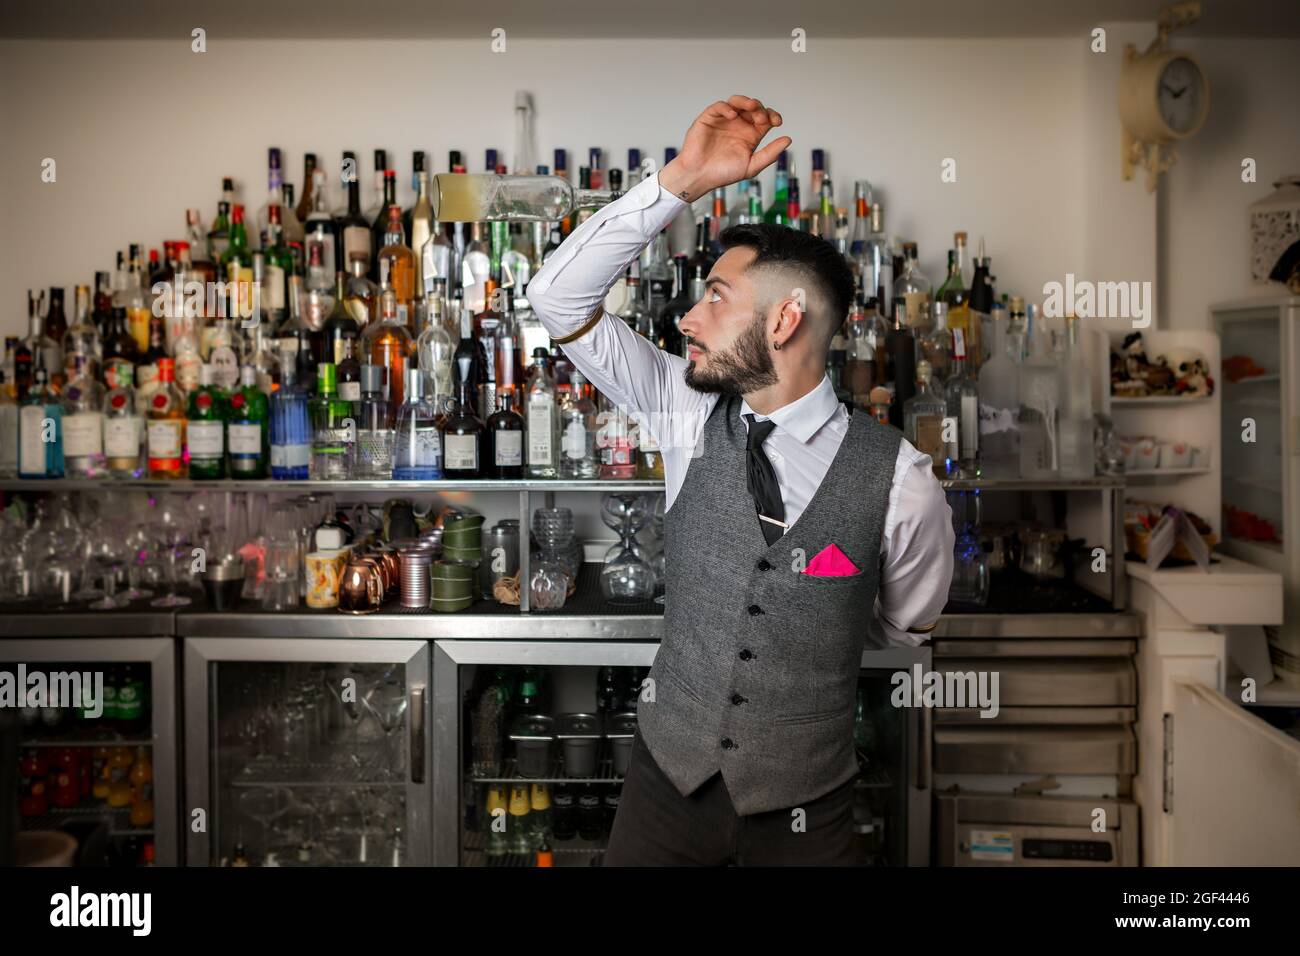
<point>248,428</point>
<point>776,213</point>
<point>237,252</point>
<point>205,428</point>
<point>333,427</point>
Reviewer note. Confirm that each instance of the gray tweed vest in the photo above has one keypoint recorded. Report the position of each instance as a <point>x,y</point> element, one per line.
<point>757,672</point>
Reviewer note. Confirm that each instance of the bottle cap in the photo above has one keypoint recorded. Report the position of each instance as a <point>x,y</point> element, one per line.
<point>247,376</point>
<point>490,160</point>
<point>634,158</point>
<point>372,378</point>
<point>819,159</point>
<point>540,352</point>
<point>561,159</point>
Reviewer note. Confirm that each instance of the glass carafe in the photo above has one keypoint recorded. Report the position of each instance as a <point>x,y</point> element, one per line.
<point>488,197</point>
<point>627,576</point>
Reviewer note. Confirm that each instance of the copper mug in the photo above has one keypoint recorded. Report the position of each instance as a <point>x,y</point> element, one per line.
<point>361,589</point>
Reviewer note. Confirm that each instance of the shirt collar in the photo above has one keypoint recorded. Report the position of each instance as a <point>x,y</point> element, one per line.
<point>805,416</point>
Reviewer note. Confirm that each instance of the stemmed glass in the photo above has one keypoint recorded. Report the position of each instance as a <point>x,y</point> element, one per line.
<point>386,700</point>
<point>353,710</point>
<point>626,577</point>
<point>170,533</point>
<point>265,805</point>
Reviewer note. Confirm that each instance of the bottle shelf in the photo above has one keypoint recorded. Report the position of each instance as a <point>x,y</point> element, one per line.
<point>357,485</point>
<point>554,773</point>
<point>1119,401</point>
<point>119,819</point>
<point>1158,473</point>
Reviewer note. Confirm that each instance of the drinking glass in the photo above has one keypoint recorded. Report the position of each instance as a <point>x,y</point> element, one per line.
<point>385,698</point>
<point>283,558</point>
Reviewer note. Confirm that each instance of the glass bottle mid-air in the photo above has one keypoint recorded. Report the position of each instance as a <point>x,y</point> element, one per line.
<point>488,197</point>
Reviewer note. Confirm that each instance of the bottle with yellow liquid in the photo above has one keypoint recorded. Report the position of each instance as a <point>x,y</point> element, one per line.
<point>119,782</point>
<point>496,832</point>
<point>141,779</point>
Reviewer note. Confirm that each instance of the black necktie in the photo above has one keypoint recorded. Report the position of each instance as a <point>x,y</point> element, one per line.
<point>761,479</point>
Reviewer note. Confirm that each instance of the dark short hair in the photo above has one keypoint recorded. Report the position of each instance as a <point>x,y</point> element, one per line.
<point>819,262</point>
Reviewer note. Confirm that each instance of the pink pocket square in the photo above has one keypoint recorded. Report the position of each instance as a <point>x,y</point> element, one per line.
<point>830,562</point>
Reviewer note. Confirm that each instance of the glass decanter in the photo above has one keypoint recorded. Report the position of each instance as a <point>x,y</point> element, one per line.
<point>626,577</point>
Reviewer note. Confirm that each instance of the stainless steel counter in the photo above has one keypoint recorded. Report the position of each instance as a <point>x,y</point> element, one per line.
<point>75,625</point>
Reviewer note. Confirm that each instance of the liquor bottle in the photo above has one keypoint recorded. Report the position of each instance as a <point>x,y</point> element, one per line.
<point>274,195</point>
<point>293,231</point>
<point>381,222</point>
<point>396,256</point>
<point>123,428</point>
<point>205,428</point>
<point>320,229</point>
<point>671,338</point>
<point>810,216</point>
<point>615,442</point>
<point>219,234</point>
<point>439,259</point>
<point>120,352</point>
<point>503,442</point>
<point>238,254</point>
<point>388,343</point>
<point>462,438</point>
<point>50,352</point>
<point>1039,392</point>
<point>657,276</point>
<point>341,330</point>
<point>377,202</point>
<point>792,202</point>
<point>703,257</point>
<point>307,203</point>
<point>102,306</point>
<point>419,222</point>
<point>353,227</point>
<point>40,429</point>
<point>83,421</point>
<point>649,458</point>
<point>332,423</point>
<point>8,425</point>
<point>56,321</point>
<point>900,344</point>
<point>578,432</point>
<point>81,341</point>
<point>362,295</point>
<point>999,385</point>
<point>1077,457</point>
<point>935,346</point>
<point>469,361</point>
<point>141,778</point>
<point>978,343</point>
<point>248,428</point>
<point>278,266</point>
<point>878,265</point>
<point>739,210</point>
<point>923,417</point>
<point>634,312</point>
<point>956,288</point>
<point>962,396</point>
<point>912,289</point>
<point>165,424</point>
<point>417,446</point>
<point>435,349</point>
<point>374,418</point>
<point>147,366</point>
<point>203,269</point>
<point>776,213</point>
<point>290,428</point>
<point>542,422</point>
<point>485,197</point>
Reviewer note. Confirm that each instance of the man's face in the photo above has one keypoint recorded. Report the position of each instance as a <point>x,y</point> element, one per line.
<point>727,331</point>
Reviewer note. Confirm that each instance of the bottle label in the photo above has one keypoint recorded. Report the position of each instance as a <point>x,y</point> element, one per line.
<point>165,442</point>
<point>273,285</point>
<point>929,437</point>
<point>290,456</point>
<point>460,452</point>
<point>207,439</point>
<point>8,430</point>
<point>225,367</point>
<point>113,369</point>
<point>245,439</point>
<point>31,447</point>
<point>83,434</point>
<point>356,239</point>
<point>574,443</point>
<point>509,449</point>
<point>952,449</point>
<point>968,428</point>
<point>617,453</point>
<point>350,391</point>
<point>539,432</point>
<point>122,437</point>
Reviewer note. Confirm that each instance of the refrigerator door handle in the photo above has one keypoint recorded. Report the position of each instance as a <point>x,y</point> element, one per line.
<point>417,733</point>
<point>924,757</point>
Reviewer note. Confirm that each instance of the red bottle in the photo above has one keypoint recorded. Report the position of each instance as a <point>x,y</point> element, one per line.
<point>33,800</point>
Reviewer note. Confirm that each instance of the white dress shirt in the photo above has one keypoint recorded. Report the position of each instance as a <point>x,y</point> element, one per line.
<point>917,543</point>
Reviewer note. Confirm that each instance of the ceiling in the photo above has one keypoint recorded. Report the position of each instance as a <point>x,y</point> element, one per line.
<point>581,19</point>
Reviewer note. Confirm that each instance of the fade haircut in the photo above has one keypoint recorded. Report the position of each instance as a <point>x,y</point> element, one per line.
<point>815,262</point>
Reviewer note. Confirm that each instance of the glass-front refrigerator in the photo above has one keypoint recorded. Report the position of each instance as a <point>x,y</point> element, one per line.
<point>306,752</point>
<point>97,754</point>
<point>532,740</point>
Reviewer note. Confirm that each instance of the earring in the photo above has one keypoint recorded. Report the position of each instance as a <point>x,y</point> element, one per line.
<point>777,346</point>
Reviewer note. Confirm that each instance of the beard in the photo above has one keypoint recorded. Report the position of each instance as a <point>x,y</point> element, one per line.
<point>745,367</point>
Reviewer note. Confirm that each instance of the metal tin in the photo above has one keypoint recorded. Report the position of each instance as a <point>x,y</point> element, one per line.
<point>415,577</point>
<point>533,735</point>
<point>579,736</point>
<point>620,728</point>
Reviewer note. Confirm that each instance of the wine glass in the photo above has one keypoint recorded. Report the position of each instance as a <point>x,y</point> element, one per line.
<point>265,805</point>
<point>386,700</point>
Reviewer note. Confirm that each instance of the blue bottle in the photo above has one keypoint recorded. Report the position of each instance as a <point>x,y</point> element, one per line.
<point>290,428</point>
<point>417,446</point>
<point>40,430</point>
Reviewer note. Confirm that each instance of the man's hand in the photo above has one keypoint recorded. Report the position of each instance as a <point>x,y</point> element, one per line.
<point>721,148</point>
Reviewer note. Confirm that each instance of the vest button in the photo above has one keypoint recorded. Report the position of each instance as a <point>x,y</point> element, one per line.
<point>755,609</point>
<point>763,565</point>
<point>737,699</point>
<point>727,743</point>
<point>745,654</point>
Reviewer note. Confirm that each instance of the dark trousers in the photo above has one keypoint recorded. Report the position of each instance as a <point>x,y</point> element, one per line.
<point>657,826</point>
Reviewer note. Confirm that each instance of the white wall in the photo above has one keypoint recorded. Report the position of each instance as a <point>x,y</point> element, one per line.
<point>1204,233</point>
<point>142,130</point>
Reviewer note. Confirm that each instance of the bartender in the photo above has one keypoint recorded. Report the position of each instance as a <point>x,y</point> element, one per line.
<point>793,526</point>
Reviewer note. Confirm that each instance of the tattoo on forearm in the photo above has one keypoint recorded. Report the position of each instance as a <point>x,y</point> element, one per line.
<point>685,195</point>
